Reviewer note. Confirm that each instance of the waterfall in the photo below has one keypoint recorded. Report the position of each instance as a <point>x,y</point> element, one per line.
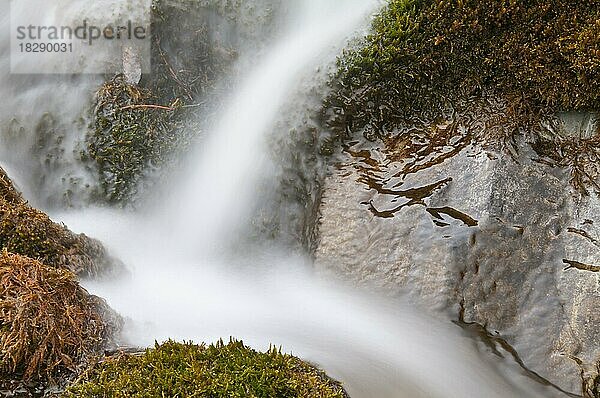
<point>183,286</point>
<point>225,172</point>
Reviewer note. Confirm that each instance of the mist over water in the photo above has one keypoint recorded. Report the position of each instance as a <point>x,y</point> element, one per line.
<point>183,284</point>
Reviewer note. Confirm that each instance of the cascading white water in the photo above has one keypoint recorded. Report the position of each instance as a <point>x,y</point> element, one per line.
<point>376,347</point>
<point>230,161</point>
<point>180,288</point>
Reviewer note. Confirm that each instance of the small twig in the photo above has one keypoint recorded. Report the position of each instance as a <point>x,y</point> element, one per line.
<point>167,108</point>
<point>194,105</point>
<point>580,266</point>
<point>583,233</point>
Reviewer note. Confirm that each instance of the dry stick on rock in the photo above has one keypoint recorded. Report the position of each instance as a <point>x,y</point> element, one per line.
<point>581,266</point>
<point>167,108</point>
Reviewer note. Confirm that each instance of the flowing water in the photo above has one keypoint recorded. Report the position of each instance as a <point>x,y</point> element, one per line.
<point>185,284</point>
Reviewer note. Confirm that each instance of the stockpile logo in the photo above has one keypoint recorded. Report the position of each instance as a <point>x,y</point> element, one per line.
<point>79,36</point>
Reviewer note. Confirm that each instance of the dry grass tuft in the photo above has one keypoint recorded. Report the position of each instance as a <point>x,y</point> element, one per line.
<point>48,323</point>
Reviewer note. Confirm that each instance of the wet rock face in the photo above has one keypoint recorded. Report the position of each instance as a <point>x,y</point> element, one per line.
<point>502,241</point>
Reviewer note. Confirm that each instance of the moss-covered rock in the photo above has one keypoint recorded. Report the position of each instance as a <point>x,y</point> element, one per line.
<point>137,129</point>
<point>30,232</point>
<point>540,56</point>
<point>438,74</point>
<point>130,133</point>
<point>219,370</point>
<point>49,325</point>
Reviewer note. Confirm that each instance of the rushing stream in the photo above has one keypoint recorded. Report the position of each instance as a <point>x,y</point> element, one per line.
<point>184,284</point>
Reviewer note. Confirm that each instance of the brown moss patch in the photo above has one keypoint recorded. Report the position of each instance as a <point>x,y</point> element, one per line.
<point>30,232</point>
<point>48,323</point>
<point>8,193</point>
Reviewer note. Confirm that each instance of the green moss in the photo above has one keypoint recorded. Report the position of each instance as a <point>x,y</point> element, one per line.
<point>30,232</point>
<point>219,370</point>
<point>541,56</point>
<point>27,231</point>
<point>128,134</point>
<point>138,129</point>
